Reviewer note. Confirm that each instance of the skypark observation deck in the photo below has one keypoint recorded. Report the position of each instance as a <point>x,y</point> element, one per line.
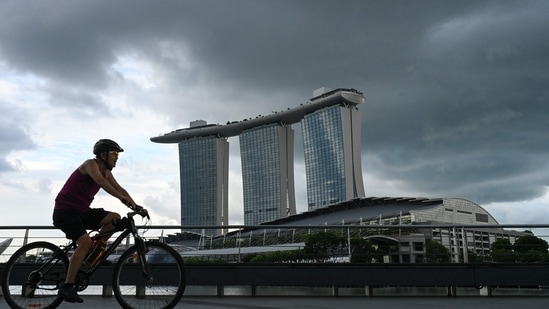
<point>349,97</point>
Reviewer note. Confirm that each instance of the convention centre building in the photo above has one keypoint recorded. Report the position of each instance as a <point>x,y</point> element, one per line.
<point>403,224</point>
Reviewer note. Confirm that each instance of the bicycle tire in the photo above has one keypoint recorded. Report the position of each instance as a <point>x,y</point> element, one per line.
<point>163,291</point>
<point>24,287</point>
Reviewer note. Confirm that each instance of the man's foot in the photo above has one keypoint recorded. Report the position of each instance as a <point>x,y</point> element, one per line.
<point>69,294</point>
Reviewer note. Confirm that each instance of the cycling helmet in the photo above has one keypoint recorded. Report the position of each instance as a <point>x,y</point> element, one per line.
<point>106,145</point>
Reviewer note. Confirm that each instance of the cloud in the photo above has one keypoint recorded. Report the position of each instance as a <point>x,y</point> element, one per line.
<point>456,91</point>
<point>469,122</point>
<point>44,186</point>
<point>14,136</point>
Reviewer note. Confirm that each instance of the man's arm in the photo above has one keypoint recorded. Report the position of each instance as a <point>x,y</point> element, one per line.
<point>91,168</point>
<point>128,200</point>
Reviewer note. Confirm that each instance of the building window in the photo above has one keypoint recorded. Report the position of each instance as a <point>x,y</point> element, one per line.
<point>481,217</point>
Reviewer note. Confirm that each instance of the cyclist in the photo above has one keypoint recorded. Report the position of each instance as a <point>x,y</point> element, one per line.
<point>72,212</point>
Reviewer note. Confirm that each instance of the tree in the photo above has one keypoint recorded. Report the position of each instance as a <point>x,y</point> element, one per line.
<point>501,250</point>
<point>290,256</point>
<point>436,253</point>
<point>530,249</point>
<point>502,244</point>
<point>530,242</point>
<point>362,250</point>
<point>473,257</point>
<point>322,245</point>
<point>526,249</point>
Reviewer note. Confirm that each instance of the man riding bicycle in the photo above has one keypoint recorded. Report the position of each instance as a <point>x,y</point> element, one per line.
<point>72,212</point>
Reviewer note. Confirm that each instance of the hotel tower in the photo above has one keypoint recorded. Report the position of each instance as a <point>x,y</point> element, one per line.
<point>331,127</point>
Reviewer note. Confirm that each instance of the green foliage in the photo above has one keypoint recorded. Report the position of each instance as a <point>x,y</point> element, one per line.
<point>527,249</point>
<point>436,253</point>
<point>534,256</point>
<point>322,246</point>
<point>502,251</point>
<point>292,256</point>
<point>362,250</point>
<point>529,243</point>
<point>531,249</point>
<point>473,257</point>
<point>503,256</point>
<point>502,244</point>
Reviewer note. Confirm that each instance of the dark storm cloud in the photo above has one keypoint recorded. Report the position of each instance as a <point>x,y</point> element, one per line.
<point>294,45</point>
<point>270,45</point>
<point>55,40</point>
<point>470,121</point>
<point>457,91</point>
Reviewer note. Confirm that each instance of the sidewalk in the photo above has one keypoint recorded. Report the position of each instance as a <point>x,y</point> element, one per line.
<point>237,302</point>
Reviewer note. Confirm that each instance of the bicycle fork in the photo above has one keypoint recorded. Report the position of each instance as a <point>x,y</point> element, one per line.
<point>142,252</point>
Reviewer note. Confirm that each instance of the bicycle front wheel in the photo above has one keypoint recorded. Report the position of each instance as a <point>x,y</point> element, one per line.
<point>32,276</point>
<point>162,287</point>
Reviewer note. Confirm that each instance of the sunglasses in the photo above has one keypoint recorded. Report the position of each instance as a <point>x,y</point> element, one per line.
<point>114,153</point>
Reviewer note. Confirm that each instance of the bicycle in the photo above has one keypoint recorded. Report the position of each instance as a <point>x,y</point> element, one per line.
<point>148,274</point>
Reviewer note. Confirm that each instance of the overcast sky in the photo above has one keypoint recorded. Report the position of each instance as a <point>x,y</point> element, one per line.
<point>457,93</point>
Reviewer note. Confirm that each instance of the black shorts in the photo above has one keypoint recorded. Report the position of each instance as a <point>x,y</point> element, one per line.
<point>75,223</point>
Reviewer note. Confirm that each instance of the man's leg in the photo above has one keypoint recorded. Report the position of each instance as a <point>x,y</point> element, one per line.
<point>68,291</point>
<point>107,223</point>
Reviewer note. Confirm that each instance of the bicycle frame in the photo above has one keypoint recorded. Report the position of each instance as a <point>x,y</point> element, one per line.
<point>131,229</point>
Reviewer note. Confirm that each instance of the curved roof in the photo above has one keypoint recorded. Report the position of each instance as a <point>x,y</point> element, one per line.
<point>294,115</point>
<point>442,210</point>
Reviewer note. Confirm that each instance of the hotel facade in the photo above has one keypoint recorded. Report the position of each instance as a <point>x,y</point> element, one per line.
<point>330,124</point>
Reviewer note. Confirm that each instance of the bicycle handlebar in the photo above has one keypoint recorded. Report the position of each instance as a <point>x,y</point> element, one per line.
<point>139,210</point>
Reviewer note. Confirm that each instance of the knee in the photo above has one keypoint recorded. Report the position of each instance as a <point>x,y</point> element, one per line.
<point>84,242</point>
<point>113,216</point>
<point>109,219</point>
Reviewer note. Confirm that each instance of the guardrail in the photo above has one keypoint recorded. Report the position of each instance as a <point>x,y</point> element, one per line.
<point>485,278</point>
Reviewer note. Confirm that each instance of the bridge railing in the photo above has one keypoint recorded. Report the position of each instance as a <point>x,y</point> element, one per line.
<point>485,278</point>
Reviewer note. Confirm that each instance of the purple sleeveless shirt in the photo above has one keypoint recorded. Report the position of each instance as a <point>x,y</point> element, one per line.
<point>77,193</point>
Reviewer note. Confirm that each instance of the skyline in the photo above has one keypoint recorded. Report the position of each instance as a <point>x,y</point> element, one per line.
<point>456,93</point>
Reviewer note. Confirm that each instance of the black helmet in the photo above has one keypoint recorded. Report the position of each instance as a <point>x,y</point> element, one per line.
<point>106,145</point>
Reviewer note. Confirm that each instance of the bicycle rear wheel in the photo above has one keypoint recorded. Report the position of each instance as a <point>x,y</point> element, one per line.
<point>165,286</point>
<point>32,276</point>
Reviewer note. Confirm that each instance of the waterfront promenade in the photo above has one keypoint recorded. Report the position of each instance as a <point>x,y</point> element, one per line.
<point>309,302</point>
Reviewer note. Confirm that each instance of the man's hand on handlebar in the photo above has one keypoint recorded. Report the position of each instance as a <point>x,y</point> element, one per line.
<point>140,210</point>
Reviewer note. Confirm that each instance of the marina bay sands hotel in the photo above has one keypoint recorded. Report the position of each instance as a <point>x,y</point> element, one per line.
<point>331,129</point>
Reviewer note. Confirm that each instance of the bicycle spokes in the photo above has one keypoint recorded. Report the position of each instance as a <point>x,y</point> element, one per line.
<point>155,279</point>
<point>32,276</point>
